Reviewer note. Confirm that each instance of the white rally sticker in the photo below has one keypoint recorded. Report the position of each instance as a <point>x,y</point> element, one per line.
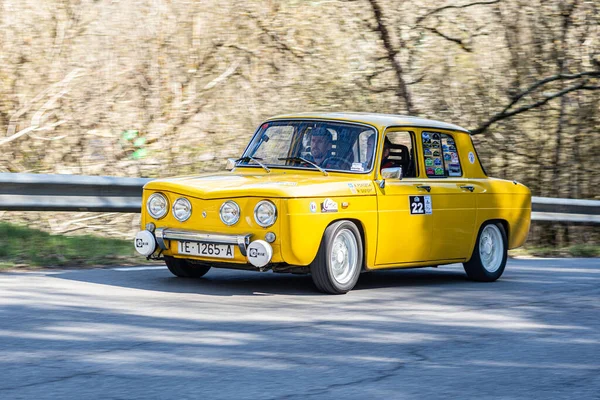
<point>428,208</point>
<point>420,205</point>
<point>329,206</point>
<point>357,167</point>
<point>471,157</point>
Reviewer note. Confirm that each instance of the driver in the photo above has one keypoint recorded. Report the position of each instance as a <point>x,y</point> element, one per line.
<point>320,145</point>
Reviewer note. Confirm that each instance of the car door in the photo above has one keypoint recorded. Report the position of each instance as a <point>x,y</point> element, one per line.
<point>453,198</point>
<point>404,222</point>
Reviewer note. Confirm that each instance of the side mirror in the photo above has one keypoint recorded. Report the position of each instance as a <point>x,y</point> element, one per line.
<point>392,173</point>
<point>230,164</point>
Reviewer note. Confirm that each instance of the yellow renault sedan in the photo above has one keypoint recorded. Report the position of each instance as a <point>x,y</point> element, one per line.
<point>335,194</point>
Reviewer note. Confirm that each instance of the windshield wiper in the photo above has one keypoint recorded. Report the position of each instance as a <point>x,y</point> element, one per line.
<point>304,160</point>
<point>249,158</point>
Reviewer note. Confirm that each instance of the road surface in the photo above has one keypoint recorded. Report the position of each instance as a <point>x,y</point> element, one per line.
<point>140,333</point>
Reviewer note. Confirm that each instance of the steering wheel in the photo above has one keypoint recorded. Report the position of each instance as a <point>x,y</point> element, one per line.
<point>338,161</point>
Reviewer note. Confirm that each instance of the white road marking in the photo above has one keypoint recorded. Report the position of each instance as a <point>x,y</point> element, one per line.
<point>137,268</point>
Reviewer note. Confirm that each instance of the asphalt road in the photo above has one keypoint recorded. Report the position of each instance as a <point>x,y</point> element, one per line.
<point>426,333</point>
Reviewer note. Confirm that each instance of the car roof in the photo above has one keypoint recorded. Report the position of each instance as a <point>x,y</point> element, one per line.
<point>376,119</point>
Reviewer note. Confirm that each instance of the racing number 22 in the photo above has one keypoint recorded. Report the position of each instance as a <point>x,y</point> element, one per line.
<point>417,208</point>
<point>420,204</point>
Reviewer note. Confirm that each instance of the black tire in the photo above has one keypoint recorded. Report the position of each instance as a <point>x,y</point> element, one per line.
<point>321,270</point>
<point>475,267</point>
<point>185,269</point>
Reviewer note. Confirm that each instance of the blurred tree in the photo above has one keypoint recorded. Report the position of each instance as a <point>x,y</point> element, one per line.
<point>195,78</point>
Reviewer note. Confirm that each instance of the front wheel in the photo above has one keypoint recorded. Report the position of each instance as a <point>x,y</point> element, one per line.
<point>336,267</point>
<point>185,269</point>
<point>489,255</point>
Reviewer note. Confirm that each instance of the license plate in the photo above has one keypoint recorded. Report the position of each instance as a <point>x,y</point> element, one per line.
<point>205,249</point>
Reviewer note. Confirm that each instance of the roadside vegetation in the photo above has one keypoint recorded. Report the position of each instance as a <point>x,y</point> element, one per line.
<point>576,250</point>
<point>85,91</point>
<point>25,247</point>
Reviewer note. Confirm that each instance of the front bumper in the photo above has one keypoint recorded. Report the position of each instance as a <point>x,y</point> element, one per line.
<point>162,234</point>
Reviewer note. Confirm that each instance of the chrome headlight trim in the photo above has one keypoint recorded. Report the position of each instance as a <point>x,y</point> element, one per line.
<point>272,219</point>
<point>165,209</point>
<point>233,204</point>
<point>186,203</point>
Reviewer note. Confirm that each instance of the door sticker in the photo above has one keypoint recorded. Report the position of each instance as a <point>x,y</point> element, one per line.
<point>329,206</point>
<point>420,204</point>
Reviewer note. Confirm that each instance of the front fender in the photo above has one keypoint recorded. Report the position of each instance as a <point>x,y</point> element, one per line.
<point>303,229</point>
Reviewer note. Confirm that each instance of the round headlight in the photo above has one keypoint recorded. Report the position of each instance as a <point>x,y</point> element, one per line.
<point>157,205</point>
<point>229,212</point>
<point>265,213</point>
<point>182,209</point>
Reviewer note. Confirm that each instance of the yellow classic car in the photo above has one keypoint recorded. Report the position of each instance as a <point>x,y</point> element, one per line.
<point>336,194</point>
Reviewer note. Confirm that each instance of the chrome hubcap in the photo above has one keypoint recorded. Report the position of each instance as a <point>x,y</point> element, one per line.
<point>491,248</point>
<point>343,259</point>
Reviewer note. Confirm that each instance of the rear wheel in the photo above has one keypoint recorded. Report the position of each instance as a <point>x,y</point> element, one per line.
<point>336,267</point>
<point>185,269</point>
<point>489,255</point>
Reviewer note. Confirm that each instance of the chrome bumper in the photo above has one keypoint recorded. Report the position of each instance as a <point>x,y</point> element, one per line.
<point>163,234</point>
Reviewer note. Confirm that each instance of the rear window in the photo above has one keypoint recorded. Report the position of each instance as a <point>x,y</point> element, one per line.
<point>440,155</point>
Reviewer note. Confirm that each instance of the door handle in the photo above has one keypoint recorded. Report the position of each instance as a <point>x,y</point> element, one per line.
<point>468,187</point>
<point>426,187</point>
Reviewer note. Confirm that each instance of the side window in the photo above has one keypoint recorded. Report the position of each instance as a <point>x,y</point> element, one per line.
<point>440,155</point>
<point>400,153</point>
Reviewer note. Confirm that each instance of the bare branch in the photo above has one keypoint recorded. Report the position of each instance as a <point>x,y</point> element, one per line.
<point>374,90</point>
<point>451,39</point>
<point>552,78</point>
<point>36,120</point>
<point>504,114</point>
<point>402,88</point>
<point>17,135</point>
<point>440,9</point>
<point>221,78</point>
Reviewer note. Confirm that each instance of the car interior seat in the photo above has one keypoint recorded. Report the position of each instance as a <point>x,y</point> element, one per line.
<point>400,156</point>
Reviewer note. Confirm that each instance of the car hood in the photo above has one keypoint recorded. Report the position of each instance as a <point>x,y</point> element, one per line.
<point>283,184</point>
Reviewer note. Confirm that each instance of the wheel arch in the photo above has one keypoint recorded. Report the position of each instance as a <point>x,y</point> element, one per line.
<point>500,221</point>
<point>361,229</point>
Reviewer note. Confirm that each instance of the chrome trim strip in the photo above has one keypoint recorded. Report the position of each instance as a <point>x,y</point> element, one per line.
<point>162,234</point>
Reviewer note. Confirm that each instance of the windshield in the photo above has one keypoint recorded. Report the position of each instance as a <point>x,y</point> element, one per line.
<point>326,145</point>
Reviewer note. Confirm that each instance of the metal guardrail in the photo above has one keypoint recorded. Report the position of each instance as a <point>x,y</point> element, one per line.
<point>565,210</point>
<point>38,192</point>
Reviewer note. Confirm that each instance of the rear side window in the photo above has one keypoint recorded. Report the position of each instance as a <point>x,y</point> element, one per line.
<point>440,155</point>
